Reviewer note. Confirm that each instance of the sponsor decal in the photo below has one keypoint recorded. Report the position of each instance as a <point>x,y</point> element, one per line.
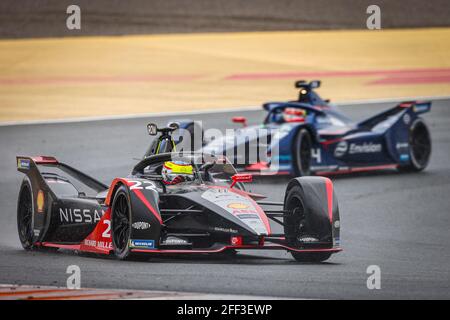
<point>175,241</point>
<point>406,119</point>
<point>23,163</point>
<point>36,232</point>
<point>420,108</point>
<point>308,239</point>
<point>227,230</point>
<point>147,244</point>
<point>70,215</point>
<point>236,241</point>
<point>341,149</point>
<point>229,201</point>
<point>140,225</point>
<point>252,222</point>
<point>404,157</point>
<point>402,145</point>
<point>248,216</point>
<point>337,224</point>
<point>367,147</point>
<point>40,201</point>
<point>336,242</point>
<point>283,157</point>
<point>98,244</point>
<point>237,206</point>
<point>50,180</point>
<point>239,211</point>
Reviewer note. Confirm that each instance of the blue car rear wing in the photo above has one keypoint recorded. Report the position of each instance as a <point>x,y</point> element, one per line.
<point>417,106</point>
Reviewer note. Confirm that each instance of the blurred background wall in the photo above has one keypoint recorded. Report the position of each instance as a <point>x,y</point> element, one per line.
<point>42,18</point>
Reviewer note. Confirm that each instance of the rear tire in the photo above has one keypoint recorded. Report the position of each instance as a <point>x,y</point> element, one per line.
<point>420,147</point>
<point>25,215</point>
<point>302,153</point>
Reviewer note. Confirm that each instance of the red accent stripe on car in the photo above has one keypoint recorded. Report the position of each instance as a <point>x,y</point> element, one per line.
<point>111,189</point>
<point>61,246</point>
<point>354,170</point>
<point>215,250</point>
<point>327,142</point>
<point>221,249</point>
<point>44,160</point>
<point>329,186</point>
<point>147,204</point>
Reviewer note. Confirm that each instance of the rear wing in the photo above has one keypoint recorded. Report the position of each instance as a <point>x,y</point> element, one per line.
<point>416,107</point>
<point>32,166</point>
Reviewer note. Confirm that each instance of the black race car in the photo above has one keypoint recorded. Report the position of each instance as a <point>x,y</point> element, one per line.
<point>60,207</point>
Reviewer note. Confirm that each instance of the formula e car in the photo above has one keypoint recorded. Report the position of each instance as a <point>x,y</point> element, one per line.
<point>60,207</point>
<point>310,136</point>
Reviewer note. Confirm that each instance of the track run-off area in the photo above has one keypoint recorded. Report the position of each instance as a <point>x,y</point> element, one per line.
<point>53,78</point>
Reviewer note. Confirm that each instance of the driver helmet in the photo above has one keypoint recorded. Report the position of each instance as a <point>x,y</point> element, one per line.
<point>294,115</point>
<point>174,172</point>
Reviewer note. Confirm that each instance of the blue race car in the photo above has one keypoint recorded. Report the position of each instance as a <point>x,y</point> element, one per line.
<point>310,136</point>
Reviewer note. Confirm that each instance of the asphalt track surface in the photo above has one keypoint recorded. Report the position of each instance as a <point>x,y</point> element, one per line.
<point>399,222</point>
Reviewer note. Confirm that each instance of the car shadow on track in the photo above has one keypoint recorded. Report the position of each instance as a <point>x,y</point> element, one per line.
<point>203,259</point>
<point>238,259</point>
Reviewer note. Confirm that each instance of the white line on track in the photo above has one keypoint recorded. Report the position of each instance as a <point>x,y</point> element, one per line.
<point>199,112</point>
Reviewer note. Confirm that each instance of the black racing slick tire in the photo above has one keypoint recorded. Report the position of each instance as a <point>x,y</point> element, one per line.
<point>25,215</point>
<point>302,151</point>
<point>121,224</point>
<point>298,226</point>
<point>419,147</point>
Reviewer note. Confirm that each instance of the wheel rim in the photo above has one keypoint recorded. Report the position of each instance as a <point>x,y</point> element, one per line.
<point>298,222</point>
<point>25,215</point>
<point>121,222</point>
<point>420,145</point>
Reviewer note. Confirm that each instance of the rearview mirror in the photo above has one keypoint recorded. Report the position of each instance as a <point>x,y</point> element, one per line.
<point>242,120</point>
<point>241,177</point>
<point>314,84</point>
<point>174,126</point>
<point>152,129</point>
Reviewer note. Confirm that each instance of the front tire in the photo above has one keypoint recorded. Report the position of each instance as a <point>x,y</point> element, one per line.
<point>121,224</point>
<point>298,226</point>
<point>419,147</point>
<point>302,153</point>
